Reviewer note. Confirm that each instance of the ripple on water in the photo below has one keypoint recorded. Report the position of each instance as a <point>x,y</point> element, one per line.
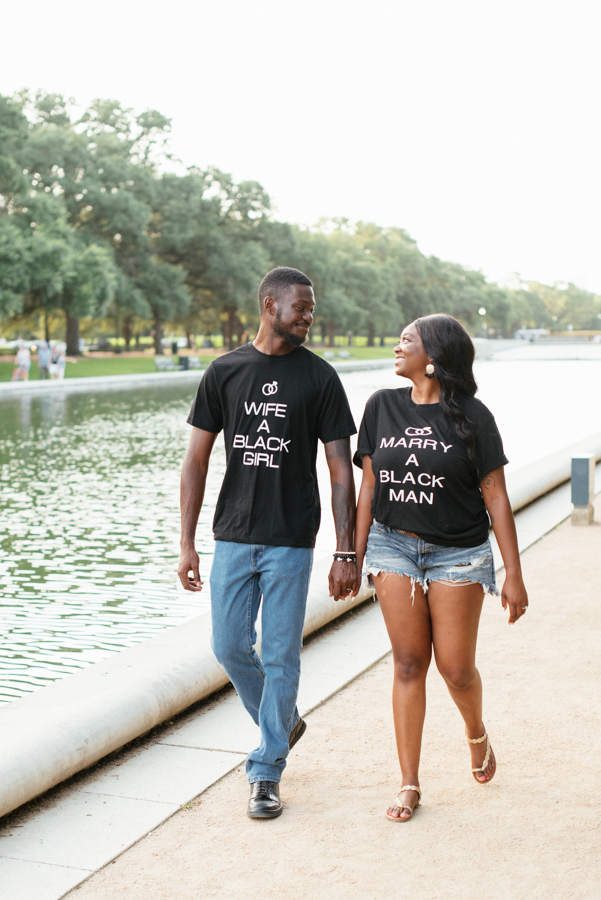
<point>89,523</point>
<point>90,529</point>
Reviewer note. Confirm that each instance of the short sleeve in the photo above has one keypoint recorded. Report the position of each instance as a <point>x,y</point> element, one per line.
<point>366,441</point>
<point>207,411</point>
<point>335,419</point>
<point>489,448</point>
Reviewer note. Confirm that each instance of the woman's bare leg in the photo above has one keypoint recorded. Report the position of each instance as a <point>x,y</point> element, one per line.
<point>408,625</point>
<point>455,614</point>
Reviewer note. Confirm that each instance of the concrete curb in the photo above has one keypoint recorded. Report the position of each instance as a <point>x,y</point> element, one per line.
<point>66,727</point>
<point>146,379</point>
<point>531,482</point>
<point>98,383</point>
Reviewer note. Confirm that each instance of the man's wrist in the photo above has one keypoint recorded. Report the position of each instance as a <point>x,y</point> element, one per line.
<point>345,556</point>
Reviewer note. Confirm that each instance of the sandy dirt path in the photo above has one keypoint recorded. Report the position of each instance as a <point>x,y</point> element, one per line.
<point>532,833</point>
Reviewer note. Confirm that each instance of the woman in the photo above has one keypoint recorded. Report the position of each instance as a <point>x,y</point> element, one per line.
<point>22,363</point>
<point>61,363</point>
<point>432,461</point>
<point>54,359</point>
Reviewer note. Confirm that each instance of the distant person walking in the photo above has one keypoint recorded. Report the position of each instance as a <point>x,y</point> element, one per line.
<point>273,399</point>
<point>43,359</point>
<point>22,363</point>
<point>432,461</point>
<point>54,358</point>
<point>62,363</point>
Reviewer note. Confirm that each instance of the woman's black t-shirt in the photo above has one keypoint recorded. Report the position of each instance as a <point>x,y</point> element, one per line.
<point>425,482</point>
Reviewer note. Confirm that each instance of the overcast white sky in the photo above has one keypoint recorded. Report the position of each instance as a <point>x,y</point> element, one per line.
<point>473,124</point>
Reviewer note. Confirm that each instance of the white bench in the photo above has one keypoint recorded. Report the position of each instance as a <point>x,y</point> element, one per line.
<point>165,364</point>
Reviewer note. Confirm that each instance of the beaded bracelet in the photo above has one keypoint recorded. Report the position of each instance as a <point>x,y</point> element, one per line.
<point>344,556</point>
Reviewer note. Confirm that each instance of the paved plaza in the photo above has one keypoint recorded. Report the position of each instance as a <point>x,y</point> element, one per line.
<point>532,833</point>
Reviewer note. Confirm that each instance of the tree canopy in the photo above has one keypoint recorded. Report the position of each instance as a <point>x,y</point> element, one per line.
<point>94,222</point>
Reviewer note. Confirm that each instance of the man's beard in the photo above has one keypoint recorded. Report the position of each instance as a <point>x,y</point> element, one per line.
<point>295,340</point>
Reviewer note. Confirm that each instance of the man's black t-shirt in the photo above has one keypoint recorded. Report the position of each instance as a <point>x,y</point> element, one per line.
<point>272,410</point>
<point>425,482</point>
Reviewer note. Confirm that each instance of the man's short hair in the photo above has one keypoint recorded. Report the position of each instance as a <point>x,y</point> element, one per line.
<point>280,280</point>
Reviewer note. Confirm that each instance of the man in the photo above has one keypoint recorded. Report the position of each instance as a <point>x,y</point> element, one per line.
<point>273,399</point>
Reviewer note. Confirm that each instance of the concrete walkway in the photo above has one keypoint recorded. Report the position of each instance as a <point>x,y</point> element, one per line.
<point>59,840</point>
<point>533,833</point>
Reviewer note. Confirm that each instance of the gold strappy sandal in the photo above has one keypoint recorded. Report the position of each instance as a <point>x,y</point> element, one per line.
<point>407,787</point>
<point>486,758</point>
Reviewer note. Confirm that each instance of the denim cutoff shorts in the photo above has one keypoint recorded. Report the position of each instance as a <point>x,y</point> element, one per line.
<point>391,551</point>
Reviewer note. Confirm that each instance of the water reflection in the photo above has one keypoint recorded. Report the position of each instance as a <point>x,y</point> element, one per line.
<point>90,527</point>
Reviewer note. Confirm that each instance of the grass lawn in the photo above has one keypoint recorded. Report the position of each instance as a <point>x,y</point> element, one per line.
<point>359,352</point>
<point>85,367</point>
<point>133,365</point>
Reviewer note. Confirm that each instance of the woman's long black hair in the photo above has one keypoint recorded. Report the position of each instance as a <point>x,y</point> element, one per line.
<point>450,348</point>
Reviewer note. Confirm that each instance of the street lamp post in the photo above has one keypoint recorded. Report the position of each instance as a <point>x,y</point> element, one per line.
<point>482,312</point>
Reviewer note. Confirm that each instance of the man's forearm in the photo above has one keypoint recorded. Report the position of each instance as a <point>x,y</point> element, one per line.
<point>192,490</point>
<point>338,456</point>
<point>343,509</point>
<point>364,520</point>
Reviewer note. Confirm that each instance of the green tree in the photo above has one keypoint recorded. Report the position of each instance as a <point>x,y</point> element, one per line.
<point>15,249</point>
<point>567,304</point>
<point>103,169</point>
<point>214,229</point>
<point>88,288</point>
<point>14,132</point>
<point>164,290</point>
<point>401,270</point>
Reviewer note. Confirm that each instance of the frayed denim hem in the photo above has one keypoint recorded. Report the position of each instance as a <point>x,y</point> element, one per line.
<point>490,590</point>
<point>372,570</point>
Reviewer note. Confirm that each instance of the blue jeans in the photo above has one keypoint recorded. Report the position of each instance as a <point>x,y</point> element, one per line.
<point>268,687</point>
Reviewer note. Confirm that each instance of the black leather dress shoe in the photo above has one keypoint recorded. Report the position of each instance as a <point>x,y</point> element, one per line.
<point>297,733</point>
<point>264,800</point>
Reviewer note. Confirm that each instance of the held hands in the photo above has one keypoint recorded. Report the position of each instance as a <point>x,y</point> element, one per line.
<point>514,597</point>
<point>344,580</point>
<point>189,563</point>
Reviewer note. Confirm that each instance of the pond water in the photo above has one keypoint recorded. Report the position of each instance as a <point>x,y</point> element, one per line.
<point>89,518</point>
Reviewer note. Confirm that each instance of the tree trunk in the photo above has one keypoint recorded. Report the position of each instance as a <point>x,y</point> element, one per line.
<point>158,334</point>
<point>189,337</point>
<point>47,327</point>
<point>331,334</point>
<point>128,331</point>
<point>371,334</point>
<point>72,336</point>
<point>231,328</point>
<point>227,333</point>
<point>241,331</point>
<point>382,341</point>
